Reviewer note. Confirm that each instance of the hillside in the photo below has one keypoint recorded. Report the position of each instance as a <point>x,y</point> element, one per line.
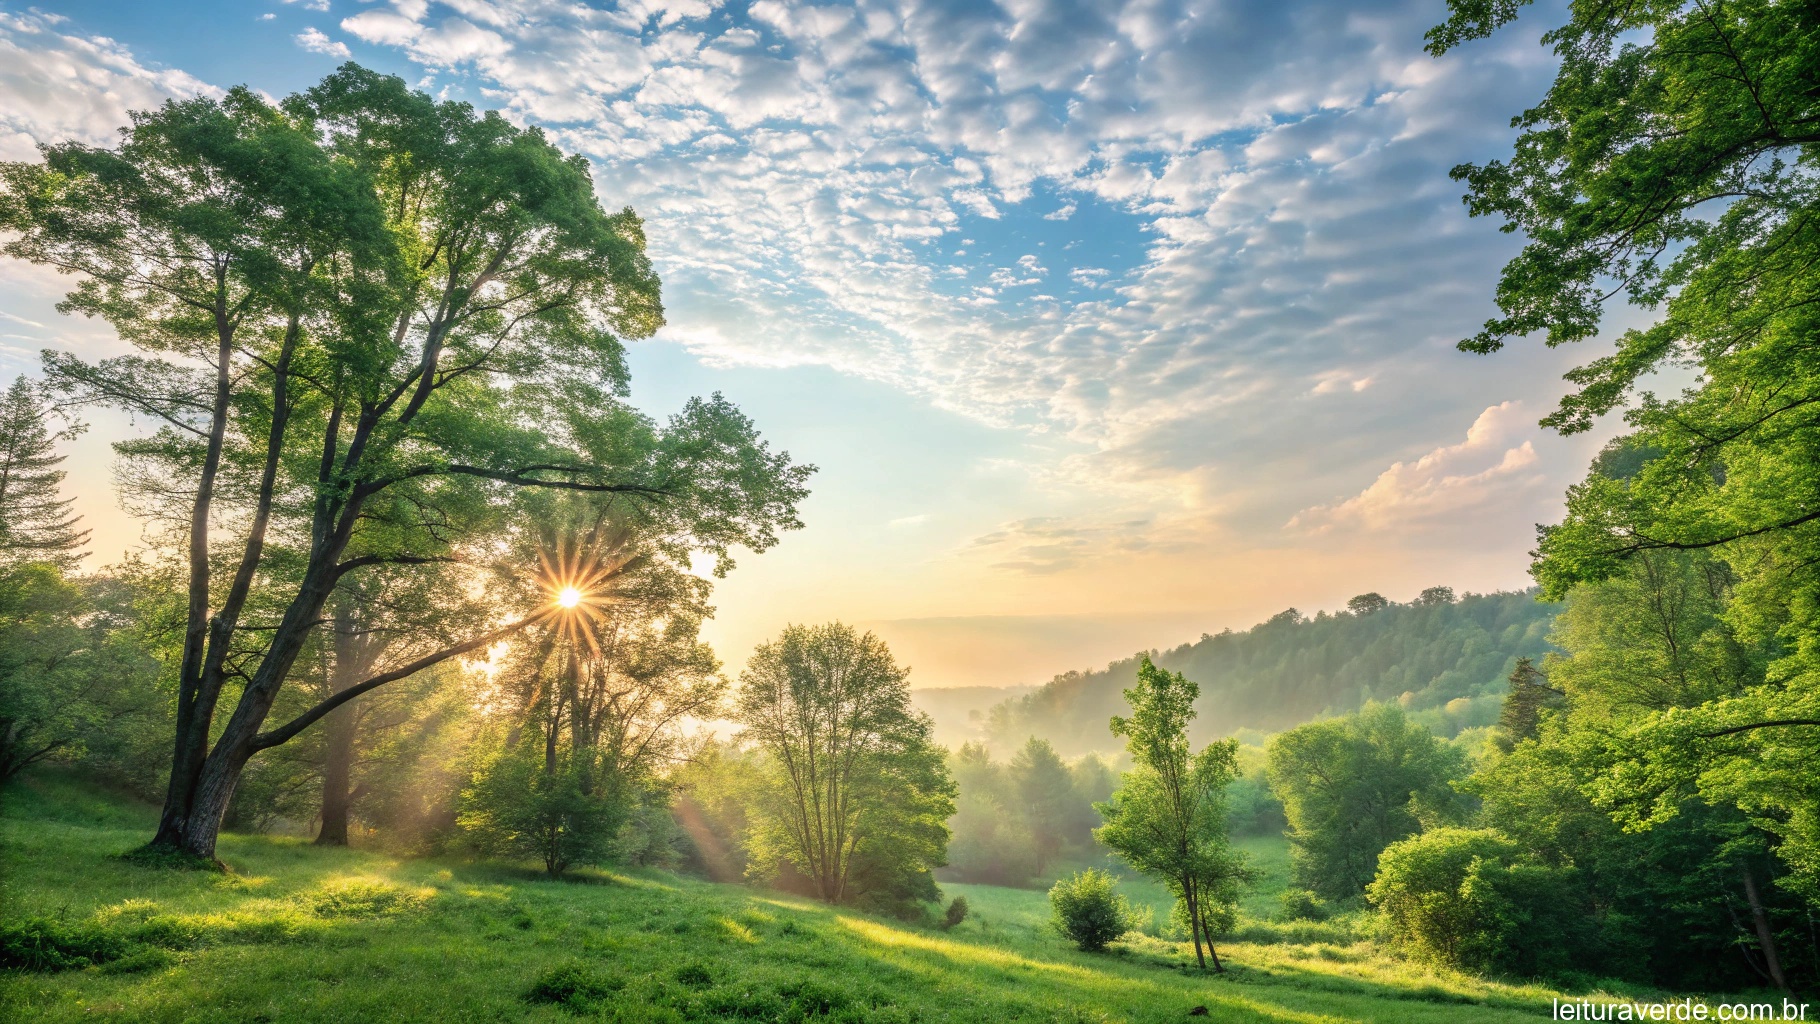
<point>295,933</point>
<point>1445,661</point>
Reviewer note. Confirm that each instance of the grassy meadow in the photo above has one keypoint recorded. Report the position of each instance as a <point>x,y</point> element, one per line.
<point>297,933</point>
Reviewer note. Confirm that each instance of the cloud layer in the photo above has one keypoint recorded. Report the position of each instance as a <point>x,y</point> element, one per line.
<point>1203,255</point>
<point>1172,234</point>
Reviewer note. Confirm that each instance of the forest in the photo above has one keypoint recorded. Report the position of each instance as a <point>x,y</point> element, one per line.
<point>1441,658</point>
<point>403,708</point>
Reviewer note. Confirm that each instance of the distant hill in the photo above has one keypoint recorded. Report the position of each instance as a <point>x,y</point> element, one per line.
<point>1443,660</point>
<point>960,711</point>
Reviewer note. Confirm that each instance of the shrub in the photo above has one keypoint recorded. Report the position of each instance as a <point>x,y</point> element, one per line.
<point>956,913</point>
<point>513,807</point>
<point>1301,905</point>
<point>1468,898</point>
<point>1088,910</point>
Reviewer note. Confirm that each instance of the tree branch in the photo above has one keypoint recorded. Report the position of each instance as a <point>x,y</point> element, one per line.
<point>1760,725</point>
<point>521,478</point>
<point>289,730</point>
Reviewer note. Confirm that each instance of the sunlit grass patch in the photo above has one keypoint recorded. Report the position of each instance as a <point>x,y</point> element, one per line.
<point>737,931</point>
<point>365,898</point>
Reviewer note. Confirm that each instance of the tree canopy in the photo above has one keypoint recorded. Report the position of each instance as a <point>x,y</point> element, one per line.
<point>1444,661</point>
<point>1673,164</point>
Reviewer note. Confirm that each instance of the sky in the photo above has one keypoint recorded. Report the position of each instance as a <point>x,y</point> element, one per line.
<point>1106,324</point>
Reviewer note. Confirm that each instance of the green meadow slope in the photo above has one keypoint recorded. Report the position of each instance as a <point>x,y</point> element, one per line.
<point>293,933</point>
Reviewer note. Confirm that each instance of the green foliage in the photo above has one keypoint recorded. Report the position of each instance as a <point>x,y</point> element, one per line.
<point>1301,905</point>
<point>1015,821</point>
<point>1529,698</point>
<point>1611,784</point>
<point>851,794</point>
<point>1088,909</point>
<point>1352,786</point>
<point>1446,663</point>
<point>376,320</point>
<point>1251,808</point>
<point>74,670</point>
<point>955,914</point>
<point>1045,798</point>
<point>519,804</point>
<point>1672,161</point>
<point>713,800</point>
<point>1168,817</point>
<point>1468,898</point>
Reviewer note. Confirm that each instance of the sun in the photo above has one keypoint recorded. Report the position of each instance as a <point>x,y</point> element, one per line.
<point>569,597</point>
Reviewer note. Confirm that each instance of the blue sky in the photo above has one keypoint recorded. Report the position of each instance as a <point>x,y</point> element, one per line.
<point>1107,323</point>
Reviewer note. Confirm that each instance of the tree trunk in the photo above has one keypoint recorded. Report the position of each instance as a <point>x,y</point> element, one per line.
<point>1194,920</point>
<point>1765,938</point>
<point>337,776</point>
<point>1213,953</point>
<point>195,698</point>
<point>353,658</point>
<point>221,769</point>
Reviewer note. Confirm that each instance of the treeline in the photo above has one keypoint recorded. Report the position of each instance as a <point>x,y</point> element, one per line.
<point>1442,659</point>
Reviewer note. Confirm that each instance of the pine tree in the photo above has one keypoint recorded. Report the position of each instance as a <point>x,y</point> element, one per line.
<point>1522,712</point>
<point>35,524</point>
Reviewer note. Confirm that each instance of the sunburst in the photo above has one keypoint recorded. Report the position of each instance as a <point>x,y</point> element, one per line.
<point>578,572</point>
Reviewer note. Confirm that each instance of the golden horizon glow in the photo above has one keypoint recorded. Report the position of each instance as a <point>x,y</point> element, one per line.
<point>569,597</point>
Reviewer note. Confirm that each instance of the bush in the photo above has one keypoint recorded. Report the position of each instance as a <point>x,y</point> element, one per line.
<point>1469,899</point>
<point>1301,905</point>
<point>513,807</point>
<point>956,913</point>
<point>1088,910</point>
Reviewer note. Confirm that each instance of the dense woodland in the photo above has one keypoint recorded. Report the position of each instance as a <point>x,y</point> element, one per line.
<point>1442,658</point>
<point>418,577</point>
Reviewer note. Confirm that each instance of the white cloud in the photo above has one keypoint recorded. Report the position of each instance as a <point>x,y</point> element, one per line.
<point>1491,465</point>
<point>56,87</point>
<point>311,5</point>
<point>316,41</point>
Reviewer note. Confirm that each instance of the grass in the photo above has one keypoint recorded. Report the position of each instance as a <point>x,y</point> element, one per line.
<point>294,933</point>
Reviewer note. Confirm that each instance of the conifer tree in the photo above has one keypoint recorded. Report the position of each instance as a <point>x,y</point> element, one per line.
<point>35,524</point>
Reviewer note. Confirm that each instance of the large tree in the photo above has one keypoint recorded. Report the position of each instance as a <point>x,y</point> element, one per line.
<point>1352,786</point>
<point>1675,164</point>
<point>855,793</point>
<point>36,524</point>
<point>359,305</point>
